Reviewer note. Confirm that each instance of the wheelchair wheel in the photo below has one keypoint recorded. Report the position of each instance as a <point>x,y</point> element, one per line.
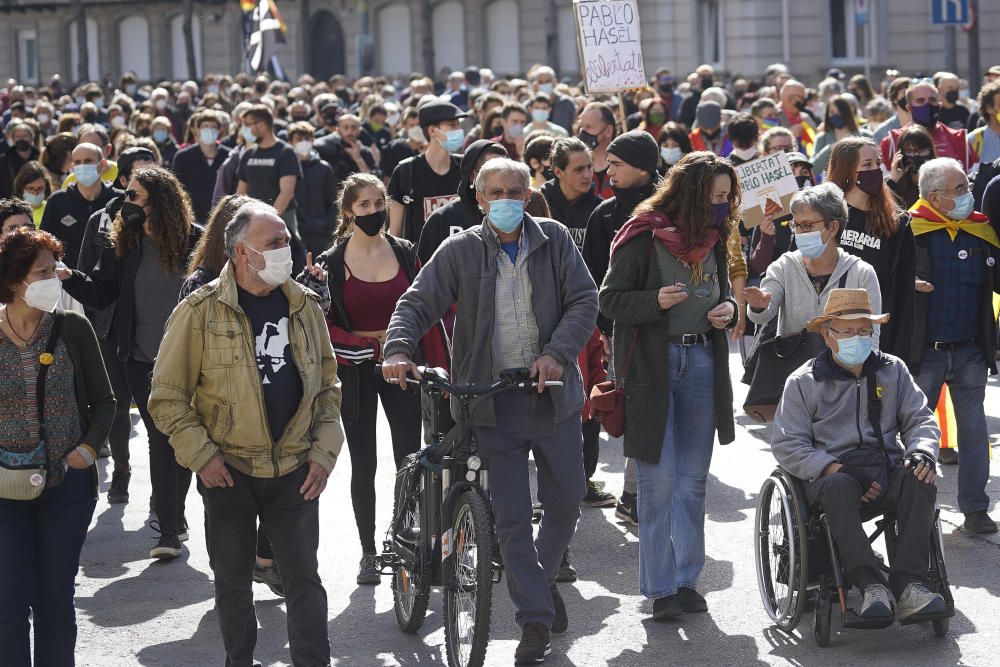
<point>821,620</point>
<point>780,551</point>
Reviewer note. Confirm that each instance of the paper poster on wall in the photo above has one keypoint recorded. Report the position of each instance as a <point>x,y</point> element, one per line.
<point>610,45</point>
<point>767,186</point>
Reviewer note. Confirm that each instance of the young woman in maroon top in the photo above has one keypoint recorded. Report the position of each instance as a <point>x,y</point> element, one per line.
<point>368,270</point>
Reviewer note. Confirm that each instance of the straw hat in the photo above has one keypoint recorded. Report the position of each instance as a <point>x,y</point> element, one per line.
<point>847,304</point>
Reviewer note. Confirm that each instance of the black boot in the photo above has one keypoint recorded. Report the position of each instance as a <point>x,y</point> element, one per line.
<point>118,493</point>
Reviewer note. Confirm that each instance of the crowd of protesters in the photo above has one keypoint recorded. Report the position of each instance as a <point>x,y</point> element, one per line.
<point>165,221</point>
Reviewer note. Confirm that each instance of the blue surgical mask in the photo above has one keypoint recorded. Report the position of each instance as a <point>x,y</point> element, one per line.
<point>546,88</point>
<point>506,214</point>
<point>811,244</point>
<point>854,350</point>
<point>247,135</point>
<point>963,207</point>
<point>453,140</point>
<point>539,115</point>
<point>671,155</point>
<point>86,174</point>
<point>160,136</point>
<point>207,136</point>
<point>34,200</point>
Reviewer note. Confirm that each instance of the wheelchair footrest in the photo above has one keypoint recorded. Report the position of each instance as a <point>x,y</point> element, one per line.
<point>926,618</point>
<point>851,619</point>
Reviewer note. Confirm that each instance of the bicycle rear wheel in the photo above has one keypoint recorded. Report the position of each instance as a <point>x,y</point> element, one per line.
<point>411,586</point>
<point>467,603</point>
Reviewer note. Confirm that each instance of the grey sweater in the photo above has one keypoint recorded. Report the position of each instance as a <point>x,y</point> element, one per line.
<point>794,299</point>
<point>824,413</point>
<point>463,271</point>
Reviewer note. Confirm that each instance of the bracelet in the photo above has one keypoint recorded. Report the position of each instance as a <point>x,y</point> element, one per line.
<point>82,451</point>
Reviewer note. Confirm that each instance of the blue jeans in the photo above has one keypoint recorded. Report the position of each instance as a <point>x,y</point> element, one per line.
<point>672,492</point>
<point>40,544</point>
<point>965,370</point>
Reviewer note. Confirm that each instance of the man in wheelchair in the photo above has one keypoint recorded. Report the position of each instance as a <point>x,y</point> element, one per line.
<point>838,428</point>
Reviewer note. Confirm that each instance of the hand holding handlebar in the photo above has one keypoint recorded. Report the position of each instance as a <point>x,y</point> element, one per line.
<point>396,368</point>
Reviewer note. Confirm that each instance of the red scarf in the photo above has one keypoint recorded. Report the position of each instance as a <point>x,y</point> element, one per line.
<point>669,236</point>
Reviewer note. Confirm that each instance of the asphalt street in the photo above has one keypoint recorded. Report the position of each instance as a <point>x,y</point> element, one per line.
<point>133,611</point>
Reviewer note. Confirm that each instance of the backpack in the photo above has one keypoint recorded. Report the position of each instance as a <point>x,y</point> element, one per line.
<point>405,169</point>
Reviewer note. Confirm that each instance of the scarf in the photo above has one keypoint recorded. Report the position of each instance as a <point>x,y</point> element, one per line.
<point>691,256</point>
<point>928,219</point>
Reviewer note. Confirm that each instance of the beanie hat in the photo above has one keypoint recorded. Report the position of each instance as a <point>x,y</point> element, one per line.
<point>637,148</point>
<point>708,115</point>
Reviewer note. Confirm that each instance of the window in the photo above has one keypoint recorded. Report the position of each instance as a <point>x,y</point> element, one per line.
<point>569,52</point>
<point>504,37</point>
<point>712,36</point>
<point>178,50</point>
<point>448,24</point>
<point>133,46</point>
<point>93,47</point>
<point>847,38</point>
<point>394,40</point>
<point>27,55</point>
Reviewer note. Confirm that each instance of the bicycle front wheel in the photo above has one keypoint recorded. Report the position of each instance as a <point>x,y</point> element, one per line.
<point>468,602</point>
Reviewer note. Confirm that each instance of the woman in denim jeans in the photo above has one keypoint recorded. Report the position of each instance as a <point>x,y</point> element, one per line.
<point>668,289</point>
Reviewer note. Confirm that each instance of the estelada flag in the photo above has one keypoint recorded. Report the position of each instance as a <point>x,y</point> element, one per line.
<point>266,36</point>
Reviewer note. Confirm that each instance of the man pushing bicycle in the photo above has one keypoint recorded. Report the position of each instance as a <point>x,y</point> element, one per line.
<point>524,299</point>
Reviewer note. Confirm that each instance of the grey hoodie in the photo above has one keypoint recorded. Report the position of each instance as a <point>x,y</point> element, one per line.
<point>824,413</point>
<point>794,299</point>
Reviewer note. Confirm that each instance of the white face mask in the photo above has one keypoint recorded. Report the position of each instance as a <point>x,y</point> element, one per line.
<point>303,148</point>
<point>277,265</point>
<point>43,294</point>
<point>416,135</point>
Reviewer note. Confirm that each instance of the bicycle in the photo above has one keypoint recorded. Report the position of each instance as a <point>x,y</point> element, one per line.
<point>446,485</point>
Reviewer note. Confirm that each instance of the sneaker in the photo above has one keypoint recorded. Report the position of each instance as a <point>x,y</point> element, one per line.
<point>183,535</point>
<point>536,512</point>
<point>167,547</point>
<point>560,622</point>
<point>596,497</point>
<point>667,608</point>
<point>878,602</point>
<point>916,599</point>
<point>691,600</point>
<point>118,493</point>
<point>368,572</point>
<point>270,577</point>
<point>979,523</point>
<point>627,509</point>
<point>566,573</point>
<point>947,456</point>
<point>534,645</point>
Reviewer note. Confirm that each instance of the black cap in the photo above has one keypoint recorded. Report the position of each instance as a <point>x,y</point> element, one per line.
<point>436,111</point>
<point>637,148</point>
<point>132,155</point>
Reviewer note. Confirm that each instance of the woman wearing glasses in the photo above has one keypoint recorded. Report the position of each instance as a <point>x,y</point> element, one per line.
<point>797,285</point>
<point>667,290</point>
<point>142,270</point>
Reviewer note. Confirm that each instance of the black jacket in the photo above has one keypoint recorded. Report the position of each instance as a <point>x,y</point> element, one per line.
<point>66,215</point>
<point>458,215</point>
<point>194,171</point>
<point>316,198</point>
<point>11,163</point>
<point>609,216</point>
<point>96,237</point>
<point>113,282</point>
<point>576,215</point>
<point>331,149</point>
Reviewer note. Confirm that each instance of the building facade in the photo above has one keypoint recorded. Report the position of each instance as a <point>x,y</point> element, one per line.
<point>39,37</point>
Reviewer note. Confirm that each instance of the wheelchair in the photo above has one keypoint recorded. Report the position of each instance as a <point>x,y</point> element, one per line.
<point>798,567</point>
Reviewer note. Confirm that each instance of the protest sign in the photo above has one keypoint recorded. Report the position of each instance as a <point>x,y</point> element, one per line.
<point>610,46</point>
<point>767,186</point>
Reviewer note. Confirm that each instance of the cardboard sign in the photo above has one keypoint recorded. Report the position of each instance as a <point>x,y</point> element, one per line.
<point>610,46</point>
<point>767,186</point>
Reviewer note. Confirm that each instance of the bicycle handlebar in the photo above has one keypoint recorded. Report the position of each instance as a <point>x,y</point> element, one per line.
<point>430,376</point>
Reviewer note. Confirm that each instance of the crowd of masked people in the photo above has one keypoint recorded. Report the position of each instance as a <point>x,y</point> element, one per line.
<point>160,225</point>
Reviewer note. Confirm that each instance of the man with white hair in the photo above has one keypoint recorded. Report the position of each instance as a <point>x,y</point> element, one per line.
<point>543,80</point>
<point>955,332</point>
<point>527,301</point>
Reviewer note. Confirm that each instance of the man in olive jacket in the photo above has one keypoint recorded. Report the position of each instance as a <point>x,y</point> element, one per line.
<point>245,384</point>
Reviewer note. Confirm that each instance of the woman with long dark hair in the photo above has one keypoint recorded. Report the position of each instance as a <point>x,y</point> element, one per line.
<point>878,231</point>
<point>916,146</point>
<point>667,289</point>
<point>143,270</point>
<point>368,271</point>
<point>838,124</point>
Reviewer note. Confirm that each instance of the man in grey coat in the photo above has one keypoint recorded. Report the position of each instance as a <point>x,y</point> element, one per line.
<point>825,434</point>
<point>524,299</point>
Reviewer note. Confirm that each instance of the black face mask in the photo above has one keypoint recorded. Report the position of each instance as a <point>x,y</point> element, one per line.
<point>804,181</point>
<point>706,82</point>
<point>132,214</point>
<point>901,103</point>
<point>951,96</point>
<point>372,223</point>
<point>330,118</point>
<point>800,105</point>
<point>496,131</point>
<point>666,86</point>
<point>589,140</point>
<point>22,145</point>
<point>548,174</point>
<point>914,162</point>
<point>711,134</point>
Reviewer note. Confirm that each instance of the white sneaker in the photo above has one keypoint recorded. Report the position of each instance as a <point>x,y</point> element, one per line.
<point>917,599</point>
<point>878,602</point>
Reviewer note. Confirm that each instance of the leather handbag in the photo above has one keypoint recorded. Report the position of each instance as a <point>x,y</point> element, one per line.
<point>23,474</point>
<point>607,399</point>
<point>771,360</point>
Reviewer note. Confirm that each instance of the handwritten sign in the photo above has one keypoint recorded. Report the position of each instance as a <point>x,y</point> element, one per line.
<point>767,186</point>
<point>610,46</point>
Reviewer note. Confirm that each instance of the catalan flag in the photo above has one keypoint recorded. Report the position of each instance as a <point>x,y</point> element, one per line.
<point>248,5</point>
<point>808,138</point>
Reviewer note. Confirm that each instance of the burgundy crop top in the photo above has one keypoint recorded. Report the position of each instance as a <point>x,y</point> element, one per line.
<point>369,305</point>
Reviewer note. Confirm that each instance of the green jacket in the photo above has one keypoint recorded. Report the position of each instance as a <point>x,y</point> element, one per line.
<point>647,382</point>
<point>207,395</point>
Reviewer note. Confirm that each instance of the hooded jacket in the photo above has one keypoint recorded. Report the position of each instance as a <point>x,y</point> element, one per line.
<point>458,215</point>
<point>316,197</point>
<point>574,215</point>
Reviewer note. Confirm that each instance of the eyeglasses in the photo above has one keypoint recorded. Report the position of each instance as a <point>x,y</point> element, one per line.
<point>958,190</point>
<point>865,332</point>
<point>806,225</point>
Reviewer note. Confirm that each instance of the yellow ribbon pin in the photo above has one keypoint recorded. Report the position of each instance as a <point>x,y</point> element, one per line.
<point>46,359</point>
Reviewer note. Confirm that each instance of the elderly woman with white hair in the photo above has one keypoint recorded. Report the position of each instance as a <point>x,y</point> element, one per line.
<point>797,284</point>
<point>955,337</point>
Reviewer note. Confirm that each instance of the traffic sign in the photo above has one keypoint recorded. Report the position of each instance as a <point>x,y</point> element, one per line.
<point>949,12</point>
